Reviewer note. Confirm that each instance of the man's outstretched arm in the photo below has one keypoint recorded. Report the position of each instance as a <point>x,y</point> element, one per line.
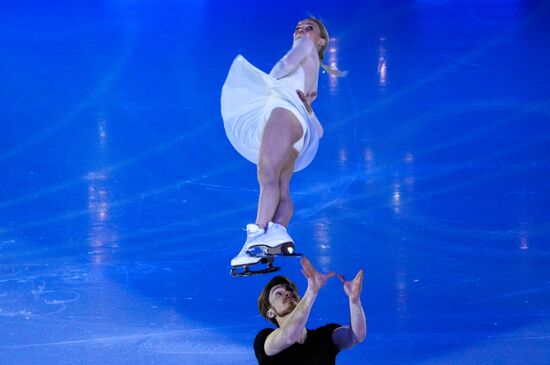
<point>293,327</point>
<point>346,336</point>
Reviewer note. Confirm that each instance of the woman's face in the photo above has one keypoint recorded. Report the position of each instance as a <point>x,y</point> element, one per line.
<point>309,29</point>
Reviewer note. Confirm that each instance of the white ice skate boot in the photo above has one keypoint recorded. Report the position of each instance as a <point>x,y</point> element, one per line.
<point>275,241</point>
<point>240,264</point>
<point>252,233</point>
<point>243,259</point>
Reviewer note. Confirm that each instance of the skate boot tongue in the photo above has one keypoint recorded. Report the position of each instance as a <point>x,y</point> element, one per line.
<point>273,226</point>
<point>253,228</point>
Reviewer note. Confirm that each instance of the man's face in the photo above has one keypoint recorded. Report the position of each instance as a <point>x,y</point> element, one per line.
<point>283,299</point>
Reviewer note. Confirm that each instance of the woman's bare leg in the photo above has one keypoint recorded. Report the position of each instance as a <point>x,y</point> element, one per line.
<point>286,207</point>
<point>281,131</point>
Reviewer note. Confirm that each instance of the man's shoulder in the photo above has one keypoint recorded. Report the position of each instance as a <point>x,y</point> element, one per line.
<point>323,333</point>
<point>262,334</point>
<point>259,343</point>
<point>322,339</point>
<point>264,331</point>
<point>329,327</point>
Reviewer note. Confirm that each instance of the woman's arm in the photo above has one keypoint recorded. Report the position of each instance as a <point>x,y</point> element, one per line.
<point>307,100</point>
<point>301,48</point>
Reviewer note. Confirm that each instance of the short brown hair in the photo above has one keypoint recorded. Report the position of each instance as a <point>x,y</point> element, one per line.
<point>263,299</point>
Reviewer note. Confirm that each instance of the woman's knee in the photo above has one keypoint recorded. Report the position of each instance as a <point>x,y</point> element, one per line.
<point>268,175</point>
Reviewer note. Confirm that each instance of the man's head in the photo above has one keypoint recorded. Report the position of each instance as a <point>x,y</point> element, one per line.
<point>278,298</point>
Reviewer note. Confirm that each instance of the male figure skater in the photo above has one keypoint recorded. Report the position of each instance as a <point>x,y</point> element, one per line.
<point>291,342</point>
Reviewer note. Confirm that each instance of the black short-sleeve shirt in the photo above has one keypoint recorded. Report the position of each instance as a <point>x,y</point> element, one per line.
<point>318,349</point>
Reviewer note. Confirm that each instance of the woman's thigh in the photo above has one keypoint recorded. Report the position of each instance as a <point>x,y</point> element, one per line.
<point>282,130</point>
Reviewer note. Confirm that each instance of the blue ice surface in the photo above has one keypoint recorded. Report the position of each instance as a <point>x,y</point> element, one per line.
<point>122,202</point>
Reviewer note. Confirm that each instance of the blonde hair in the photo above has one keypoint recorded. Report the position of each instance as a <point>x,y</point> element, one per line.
<point>324,35</point>
<point>323,32</point>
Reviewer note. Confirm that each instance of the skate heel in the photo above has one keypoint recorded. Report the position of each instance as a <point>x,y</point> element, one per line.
<point>287,249</point>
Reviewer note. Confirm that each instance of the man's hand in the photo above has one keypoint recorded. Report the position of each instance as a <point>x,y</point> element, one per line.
<point>307,99</point>
<point>353,288</point>
<point>347,336</point>
<point>315,280</point>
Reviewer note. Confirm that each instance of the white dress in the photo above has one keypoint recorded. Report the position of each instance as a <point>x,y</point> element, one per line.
<point>249,95</point>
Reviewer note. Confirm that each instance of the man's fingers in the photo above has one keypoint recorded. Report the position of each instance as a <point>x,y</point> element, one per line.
<point>341,278</point>
<point>328,276</point>
<point>359,277</point>
<point>306,265</point>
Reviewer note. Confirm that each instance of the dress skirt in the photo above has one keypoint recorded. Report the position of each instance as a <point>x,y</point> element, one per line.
<point>248,97</point>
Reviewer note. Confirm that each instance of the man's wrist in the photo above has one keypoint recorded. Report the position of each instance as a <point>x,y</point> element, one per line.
<point>311,293</point>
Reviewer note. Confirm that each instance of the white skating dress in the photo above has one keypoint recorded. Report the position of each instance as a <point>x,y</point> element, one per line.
<point>249,95</point>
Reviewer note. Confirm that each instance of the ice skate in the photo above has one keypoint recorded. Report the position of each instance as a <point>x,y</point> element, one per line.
<point>260,247</point>
<point>275,240</point>
<point>240,264</point>
<point>243,258</point>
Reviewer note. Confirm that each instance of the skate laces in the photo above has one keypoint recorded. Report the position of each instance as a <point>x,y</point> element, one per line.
<point>254,230</point>
<point>276,225</point>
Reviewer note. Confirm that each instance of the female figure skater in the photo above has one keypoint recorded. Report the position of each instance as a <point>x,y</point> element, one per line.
<point>269,120</point>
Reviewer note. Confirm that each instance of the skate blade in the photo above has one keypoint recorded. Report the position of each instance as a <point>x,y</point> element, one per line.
<point>285,249</point>
<point>244,270</point>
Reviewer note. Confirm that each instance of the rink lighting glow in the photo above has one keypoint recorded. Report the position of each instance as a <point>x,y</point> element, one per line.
<point>397,198</point>
<point>523,241</point>
<point>333,61</point>
<point>382,72</point>
<point>343,155</point>
<point>322,233</point>
<point>102,130</point>
<point>368,155</point>
<point>382,64</point>
<point>409,181</point>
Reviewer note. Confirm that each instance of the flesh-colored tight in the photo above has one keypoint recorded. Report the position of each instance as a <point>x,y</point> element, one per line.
<point>276,167</point>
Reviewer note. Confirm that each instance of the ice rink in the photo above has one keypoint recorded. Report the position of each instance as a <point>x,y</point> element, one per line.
<point>122,201</point>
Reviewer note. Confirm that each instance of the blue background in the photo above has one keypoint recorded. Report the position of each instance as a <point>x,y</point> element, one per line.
<point>122,201</point>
